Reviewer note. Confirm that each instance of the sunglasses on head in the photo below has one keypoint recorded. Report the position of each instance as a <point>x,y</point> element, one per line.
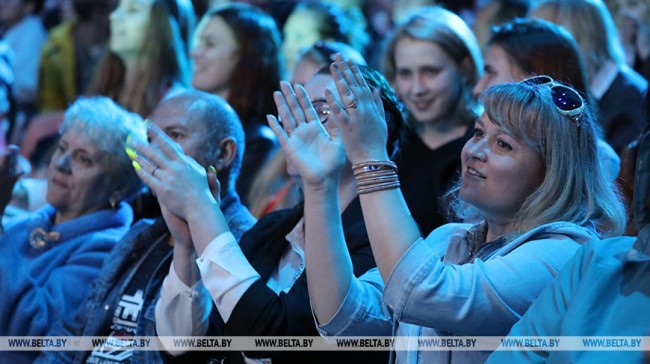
<point>567,100</point>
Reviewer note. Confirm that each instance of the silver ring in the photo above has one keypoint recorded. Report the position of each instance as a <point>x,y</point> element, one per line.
<point>153,170</point>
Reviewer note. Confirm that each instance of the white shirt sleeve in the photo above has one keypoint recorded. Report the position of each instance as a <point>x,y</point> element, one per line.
<point>226,273</point>
<point>182,310</point>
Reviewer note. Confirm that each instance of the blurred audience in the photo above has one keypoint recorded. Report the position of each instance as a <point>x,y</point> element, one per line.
<point>619,91</point>
<point>71,53</point>
<point>22,28</point>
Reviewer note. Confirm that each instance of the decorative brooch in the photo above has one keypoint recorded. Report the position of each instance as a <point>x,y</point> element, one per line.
<point>40,238</point>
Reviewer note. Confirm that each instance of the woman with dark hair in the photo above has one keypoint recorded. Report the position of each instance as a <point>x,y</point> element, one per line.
<point>236,55</point>
<point>310,22</point>
<point>146,60</point>
<point>619,91</point>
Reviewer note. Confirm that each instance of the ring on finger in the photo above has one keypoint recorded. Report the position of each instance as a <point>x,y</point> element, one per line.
<point>153,170</point>
<point>351,105</point>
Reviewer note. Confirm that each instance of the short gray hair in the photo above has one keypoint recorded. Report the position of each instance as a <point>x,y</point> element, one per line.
<point>108,125</point>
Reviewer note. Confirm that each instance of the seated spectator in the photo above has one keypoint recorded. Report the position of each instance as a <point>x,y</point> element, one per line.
<point>527,47</point>
<point>530,178</point>
<point>619,91</point>
<point>207,129</point>
<point>147,57</point>
<point>433,61</point>
<point>273,187</point>
<point>310,22</point>
<point>259,286</point>
<point>496,12</point>
<point>22,28</point>
<point>71,53</point>
<point>602,291</point>
<point>49,258</point>
<point>237,56</point>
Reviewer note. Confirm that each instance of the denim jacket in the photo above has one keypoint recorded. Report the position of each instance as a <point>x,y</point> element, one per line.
<point>453,283</point>
<point>99,310</point>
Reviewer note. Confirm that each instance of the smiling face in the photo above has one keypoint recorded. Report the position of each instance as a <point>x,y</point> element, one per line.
<point>79,177</point>
<point>129,24</point>
<point>499,171</point>
<point>427,80</point>
<point>499,68</point>
<point>215,57</point>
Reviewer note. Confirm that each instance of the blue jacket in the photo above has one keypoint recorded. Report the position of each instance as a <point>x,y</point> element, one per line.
<point>97,316</point>
<point>453,283</point>
<point>39,286</point>
<point>603,291</point>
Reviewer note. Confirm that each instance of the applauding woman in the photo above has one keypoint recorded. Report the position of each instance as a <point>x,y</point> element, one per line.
<point>530,182</point>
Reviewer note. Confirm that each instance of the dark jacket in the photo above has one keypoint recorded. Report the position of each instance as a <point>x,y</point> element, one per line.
<point>262,312</point>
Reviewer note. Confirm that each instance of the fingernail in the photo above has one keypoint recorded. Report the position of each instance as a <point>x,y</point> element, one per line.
<point>130,152</point>
<point>214,170</point>
<point>136,165</point>
<point>147,123</point>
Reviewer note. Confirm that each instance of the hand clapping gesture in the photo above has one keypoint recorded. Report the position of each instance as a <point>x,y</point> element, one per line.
<point>359,114</point>
<point>316,153</point>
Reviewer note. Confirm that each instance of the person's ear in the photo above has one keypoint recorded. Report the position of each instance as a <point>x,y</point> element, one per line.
<point>227,153</point>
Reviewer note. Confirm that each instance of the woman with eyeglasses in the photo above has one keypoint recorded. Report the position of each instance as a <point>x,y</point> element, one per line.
<point>273,188</point>
<point>531,193</point>
<point>259,286</point>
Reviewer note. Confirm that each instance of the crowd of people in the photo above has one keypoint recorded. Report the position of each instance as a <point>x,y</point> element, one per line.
<point>193,168</point>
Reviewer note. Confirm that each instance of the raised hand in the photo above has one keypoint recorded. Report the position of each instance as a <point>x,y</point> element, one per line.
<point>317,155</point>
<point>178,181</point>
<point>359,113</point>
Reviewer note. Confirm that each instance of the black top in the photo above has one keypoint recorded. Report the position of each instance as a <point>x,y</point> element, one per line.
<point>262,312</point>
<point>426,175</point>
<point>622,109</point>
<point>260,145</point>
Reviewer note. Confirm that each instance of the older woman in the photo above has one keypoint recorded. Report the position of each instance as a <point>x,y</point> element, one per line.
<point>49,258</point>
<point>533,202</point>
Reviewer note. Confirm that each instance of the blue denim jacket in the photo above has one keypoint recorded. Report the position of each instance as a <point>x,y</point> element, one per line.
<point>452,281</point>
<point>98,312</point>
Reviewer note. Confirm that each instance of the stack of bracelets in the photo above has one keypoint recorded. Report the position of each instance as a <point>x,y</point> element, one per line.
<point>375,176</point>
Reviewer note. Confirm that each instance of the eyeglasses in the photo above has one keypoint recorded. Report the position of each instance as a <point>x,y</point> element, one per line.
<point>322,108</point>
<point>567,100</point>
